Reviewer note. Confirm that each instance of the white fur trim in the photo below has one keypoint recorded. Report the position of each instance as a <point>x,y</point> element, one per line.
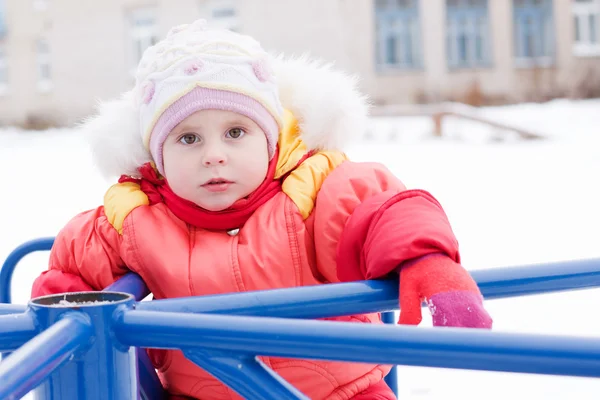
<point>114,136</point>
<point>326,102</point>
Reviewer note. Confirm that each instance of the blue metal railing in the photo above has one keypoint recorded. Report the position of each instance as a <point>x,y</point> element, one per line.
<point>133,284</point>
<point>8,268</point>
<point>149,383</point>
<point>226,345</point>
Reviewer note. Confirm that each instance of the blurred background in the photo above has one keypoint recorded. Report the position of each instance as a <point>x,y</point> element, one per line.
<point>491,105</point>
<point>58,56</point>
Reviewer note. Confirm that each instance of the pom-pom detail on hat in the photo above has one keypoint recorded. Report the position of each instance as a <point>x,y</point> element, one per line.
<point>192,67</point>
<point>148,92</point>
<point>261,70</point>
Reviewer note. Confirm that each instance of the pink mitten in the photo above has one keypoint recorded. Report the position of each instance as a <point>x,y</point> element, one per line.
<point>450,292</point>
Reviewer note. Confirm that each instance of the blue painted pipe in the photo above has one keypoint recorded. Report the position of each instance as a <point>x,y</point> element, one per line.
<point>375,296</point>
<point>6,309</point>
<point>150,386</point>
<point>24,369</point>
<point>496,283</point>
<point>8,268</point>
<point>149,383</point>
<point>16,330</point>
<point>106,369</point>
<point>130,283</point>
<point>523,280</point>
<point>301,302</point>
<point>403,345</point>
<point>249,377</point>
<point>392,377</point>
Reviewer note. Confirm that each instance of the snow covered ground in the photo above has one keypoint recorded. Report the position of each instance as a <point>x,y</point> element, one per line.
<point>511,202</point>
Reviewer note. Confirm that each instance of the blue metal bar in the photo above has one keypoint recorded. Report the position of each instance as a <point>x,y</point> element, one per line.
<point>404,345</point>
<point>499,283</point>
<point>27,367</point>
<point>106,369</point>
<point>15,330</point>
<point>303,302</point>
<point>249,377</point>
<point>130,283</point>
<point>496,283</point>
<point>392,377</point>
<point>6,309</point>
<point>6,272</point>
<point>150,385</point>
<point>375,296</point>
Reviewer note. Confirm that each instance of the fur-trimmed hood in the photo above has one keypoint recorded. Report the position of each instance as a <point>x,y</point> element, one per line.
<point>326,103</point>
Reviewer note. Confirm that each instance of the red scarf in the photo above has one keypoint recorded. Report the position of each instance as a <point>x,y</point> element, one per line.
<point>158,191</point>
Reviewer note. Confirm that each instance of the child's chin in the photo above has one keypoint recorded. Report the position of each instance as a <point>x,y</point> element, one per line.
<point>215,207</point>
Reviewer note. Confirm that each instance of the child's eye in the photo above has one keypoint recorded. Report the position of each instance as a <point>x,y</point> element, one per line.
<point>189,138</point>
<point>235,133</point>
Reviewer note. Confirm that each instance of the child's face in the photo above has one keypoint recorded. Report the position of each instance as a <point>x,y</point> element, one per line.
<point>214,158</point>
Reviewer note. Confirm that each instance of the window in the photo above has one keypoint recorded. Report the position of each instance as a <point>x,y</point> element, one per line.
<point>143,31</point>
<point>533,32</point>
<point>586,18</point>
<point>44,73</point>
<point>3,71</point>
<point>398,34</point>
<point>467,33</point>
<point>2,19</point>
<point>222,14</point>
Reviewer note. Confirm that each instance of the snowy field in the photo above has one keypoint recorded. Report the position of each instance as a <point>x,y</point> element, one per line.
<point>511,202</point>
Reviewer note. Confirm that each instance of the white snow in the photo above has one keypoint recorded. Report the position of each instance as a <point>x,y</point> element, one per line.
<point>511,202</point>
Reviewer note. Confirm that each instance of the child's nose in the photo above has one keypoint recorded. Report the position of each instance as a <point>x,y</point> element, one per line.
<point>216,158</point>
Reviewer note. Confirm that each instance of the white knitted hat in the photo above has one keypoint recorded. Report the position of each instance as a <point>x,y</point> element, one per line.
<point>197,68</point>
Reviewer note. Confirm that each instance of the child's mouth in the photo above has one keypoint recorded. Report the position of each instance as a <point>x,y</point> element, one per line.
<point>217,185</point>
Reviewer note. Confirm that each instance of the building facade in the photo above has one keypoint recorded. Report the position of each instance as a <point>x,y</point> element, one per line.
<point>58,57</point>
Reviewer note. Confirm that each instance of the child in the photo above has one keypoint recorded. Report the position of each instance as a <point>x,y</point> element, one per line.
<point>232,180</point>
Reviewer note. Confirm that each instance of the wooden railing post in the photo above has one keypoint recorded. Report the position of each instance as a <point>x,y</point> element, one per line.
<point>437,124</point>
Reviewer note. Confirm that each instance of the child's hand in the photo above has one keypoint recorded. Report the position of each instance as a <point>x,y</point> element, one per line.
<point>451,294</point>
